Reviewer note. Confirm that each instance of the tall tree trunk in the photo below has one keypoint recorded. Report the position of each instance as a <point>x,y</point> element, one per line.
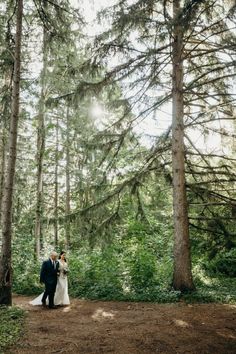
<point>5,259</point>
<point>182,278</point>
<point>40,152</point>
<point>67,175</point>
<point>56,187</point>
<point>5,113</point>
<point>2,164</point>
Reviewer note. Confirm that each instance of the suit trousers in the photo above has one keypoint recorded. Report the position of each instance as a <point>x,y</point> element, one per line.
<point>49,292</point>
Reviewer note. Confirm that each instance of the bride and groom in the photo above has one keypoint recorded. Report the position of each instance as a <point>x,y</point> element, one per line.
<point>54,276</point>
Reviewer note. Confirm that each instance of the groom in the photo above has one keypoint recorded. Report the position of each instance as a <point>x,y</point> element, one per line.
<point>48,276</point>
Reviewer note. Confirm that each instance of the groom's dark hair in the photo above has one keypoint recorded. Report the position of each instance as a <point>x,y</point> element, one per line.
<point>62,252</point>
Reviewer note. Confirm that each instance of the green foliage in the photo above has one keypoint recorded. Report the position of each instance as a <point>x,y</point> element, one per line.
<point>12,319</point>
<point>109,275</point>
<point>135,265</point>
<point>211,288</point>
<point>96,275</point>
<point>25,268</point>
<point>26,278</point>
<point>128,271</point>
<point>224,263</point>
<point>143,269</point>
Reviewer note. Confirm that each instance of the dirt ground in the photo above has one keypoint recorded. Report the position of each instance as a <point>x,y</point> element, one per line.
<point>127,328</point>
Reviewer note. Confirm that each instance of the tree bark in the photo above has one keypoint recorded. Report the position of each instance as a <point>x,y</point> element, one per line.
<point>5,259</point>
<point>56,187</point>
<point>2,164</point>
<point>67,230</point>
<point>40,152</point>
<point>182,277</point>
<point>6,112</point>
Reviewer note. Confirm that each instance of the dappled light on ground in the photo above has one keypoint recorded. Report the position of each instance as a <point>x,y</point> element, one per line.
<point>97,327</point>
<point>100,315</point>
<point>181,323</point>
<point>231,306</point>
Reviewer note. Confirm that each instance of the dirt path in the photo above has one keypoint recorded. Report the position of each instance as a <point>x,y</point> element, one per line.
<point>128,328</point>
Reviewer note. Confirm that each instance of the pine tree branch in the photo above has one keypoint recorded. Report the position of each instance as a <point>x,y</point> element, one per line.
<point>208,230</point>
<point>223,157</point>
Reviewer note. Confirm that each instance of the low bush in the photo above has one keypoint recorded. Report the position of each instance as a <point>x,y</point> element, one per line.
<point>224,263</point>
<point>12,320</point>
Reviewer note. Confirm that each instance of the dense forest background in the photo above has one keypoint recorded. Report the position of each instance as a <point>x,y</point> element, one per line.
<point>126,147</point>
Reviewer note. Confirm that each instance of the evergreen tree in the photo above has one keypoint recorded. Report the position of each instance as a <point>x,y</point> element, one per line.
<point>181,55</point>
<point>5,260</point>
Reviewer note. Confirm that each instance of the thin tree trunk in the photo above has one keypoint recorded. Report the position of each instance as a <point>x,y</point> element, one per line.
<point>67,176</point>
<point>2,165</point>
<point>40,152</point>
<point>5,259</point>
<point>56,187</point>
<point>6,113</point>
<point>182,278</point>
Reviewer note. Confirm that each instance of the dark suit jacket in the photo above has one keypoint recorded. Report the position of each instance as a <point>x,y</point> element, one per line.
<point>48,274</point>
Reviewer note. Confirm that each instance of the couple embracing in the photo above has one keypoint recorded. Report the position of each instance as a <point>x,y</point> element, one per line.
<point>54,276</point>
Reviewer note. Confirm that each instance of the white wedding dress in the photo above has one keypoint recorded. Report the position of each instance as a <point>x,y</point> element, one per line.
<point>61,295</point>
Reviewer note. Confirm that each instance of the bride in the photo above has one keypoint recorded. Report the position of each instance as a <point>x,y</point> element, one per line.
<point>61,295</point>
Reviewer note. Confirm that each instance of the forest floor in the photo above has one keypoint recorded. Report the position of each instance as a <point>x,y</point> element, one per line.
<point>127,328</point>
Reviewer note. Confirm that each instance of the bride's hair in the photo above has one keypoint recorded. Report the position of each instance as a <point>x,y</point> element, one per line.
<point>62,252</point>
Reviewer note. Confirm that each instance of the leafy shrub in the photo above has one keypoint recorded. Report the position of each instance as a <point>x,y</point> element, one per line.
<point>224,263</point>
<point>142,270</point>
<point>11,326</point>
<point>211,288</point>
<point>110,275</point>
<point>137,266</point>
<point>220,291</point>
<point>26,277</point>
<point>96,276</point>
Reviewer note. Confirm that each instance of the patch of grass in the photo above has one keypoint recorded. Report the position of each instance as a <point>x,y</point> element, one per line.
<point>12,319</point>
